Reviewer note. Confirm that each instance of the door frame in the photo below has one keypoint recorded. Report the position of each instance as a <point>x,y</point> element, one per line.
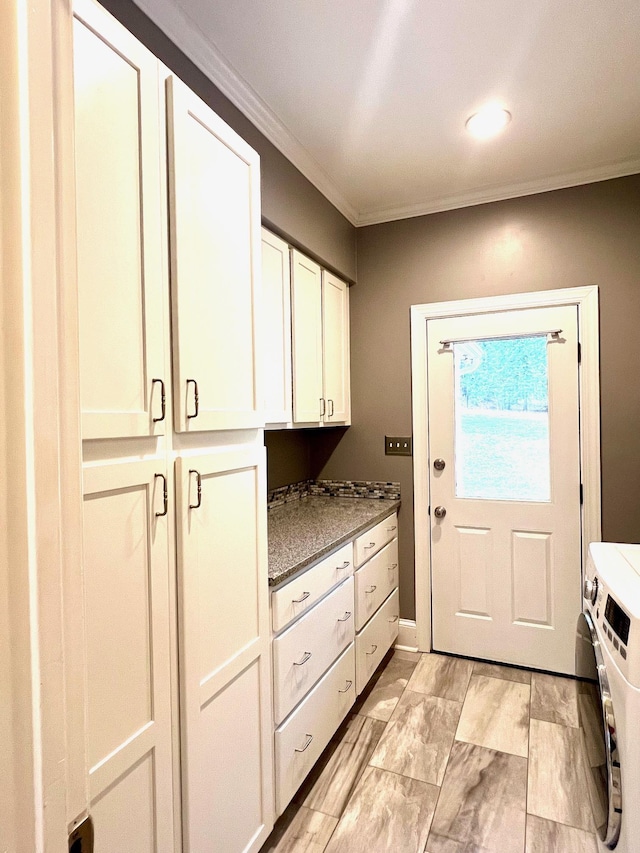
<point>586,301</point>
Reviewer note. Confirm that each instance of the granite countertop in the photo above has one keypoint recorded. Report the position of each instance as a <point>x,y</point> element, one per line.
<point>302,531</point>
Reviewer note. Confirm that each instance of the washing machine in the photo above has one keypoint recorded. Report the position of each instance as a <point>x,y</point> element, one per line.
<point>608,669</point>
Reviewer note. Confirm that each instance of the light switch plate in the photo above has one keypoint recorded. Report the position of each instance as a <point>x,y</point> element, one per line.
<point>398,445</point>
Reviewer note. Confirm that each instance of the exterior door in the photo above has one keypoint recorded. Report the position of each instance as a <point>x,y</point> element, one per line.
<point>504,471</point>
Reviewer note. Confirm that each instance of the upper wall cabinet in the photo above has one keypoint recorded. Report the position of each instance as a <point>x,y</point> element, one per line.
<point>277,338</point>
<point>320,348</point>
<point>121,271</point>
<point>214,200</point>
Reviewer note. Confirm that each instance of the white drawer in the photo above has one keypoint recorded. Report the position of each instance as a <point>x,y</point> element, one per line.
<point>303,652</point>
<point>302,737</point>
<point>374,581</point>
<point>372,540</point>
<point>373,642</point>
<point>296,597</point>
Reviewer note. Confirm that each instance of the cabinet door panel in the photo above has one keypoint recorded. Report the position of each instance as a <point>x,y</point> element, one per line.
<point>126,599</point>
<point>335,349</point>
<point>214,184</point>
<point>306,312</point>
<point>276,286</point>
<point>121,267</point>
<point>227,755</point>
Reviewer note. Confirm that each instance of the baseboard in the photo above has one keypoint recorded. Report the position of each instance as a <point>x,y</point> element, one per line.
<point>407,636</point>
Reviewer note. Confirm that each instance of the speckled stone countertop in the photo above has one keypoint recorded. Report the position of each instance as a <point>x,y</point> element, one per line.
<point>302,531</point>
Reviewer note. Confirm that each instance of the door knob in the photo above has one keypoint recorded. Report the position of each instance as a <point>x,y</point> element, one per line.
<point>439,512</point>
<point>439,464</point>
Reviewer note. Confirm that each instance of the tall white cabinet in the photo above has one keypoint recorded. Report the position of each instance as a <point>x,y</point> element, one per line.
<point>177,697</point>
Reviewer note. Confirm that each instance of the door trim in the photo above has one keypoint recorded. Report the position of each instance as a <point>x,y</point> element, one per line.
<point>586,300</point>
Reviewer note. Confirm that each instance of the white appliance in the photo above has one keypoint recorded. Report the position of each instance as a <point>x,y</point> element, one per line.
<point>608,664</point>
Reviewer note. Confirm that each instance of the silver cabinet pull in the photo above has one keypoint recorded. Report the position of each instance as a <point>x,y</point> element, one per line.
<point>347,615</point>
<point>393,619</point>
<point>371,589</point>
<point>305,658</point>
<point>393,567</point>
<point>303,597</point>
<point>344,566</point>
<point>347,688</point>
<point>373,649</point>
<point>165,495</point>
<point>391,529</point>
<point>307,744</point>
<point>196,398</point>
<point>323,407</point>
<point>163,401</point>
<point>370,545</point>
<point>199,487</point>
<point>331,412</point>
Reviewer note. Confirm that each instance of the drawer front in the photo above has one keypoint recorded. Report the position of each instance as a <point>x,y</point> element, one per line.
<point>372,540</point>
<point>374,641</point>
<point>301,739</point>
<point>303,652</point>
<point>296,597</point>
<point>375,581</point>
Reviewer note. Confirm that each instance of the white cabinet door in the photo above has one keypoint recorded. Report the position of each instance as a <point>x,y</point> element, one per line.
<point>127,653</point>
<point>335,349</point>
<point>214,201</point>
<point>121,272</point>
<point>306,313</point>
<point>227,749</point>
<point>276,288</point>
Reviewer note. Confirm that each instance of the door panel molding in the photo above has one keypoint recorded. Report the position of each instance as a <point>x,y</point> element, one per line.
<point>586,301</point>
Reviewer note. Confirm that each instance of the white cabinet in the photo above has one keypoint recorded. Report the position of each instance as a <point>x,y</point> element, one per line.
<point>375,640</point>
<point>128,655</point>
<point>224,651</point>
<point>214,200</point>
<point>121,264</point>
<point>374,581</point>
<point>320,348</point>
<point>276,290</point>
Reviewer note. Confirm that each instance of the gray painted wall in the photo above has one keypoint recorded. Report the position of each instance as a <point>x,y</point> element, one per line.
<point>574,237</point>
<point>291,205</point>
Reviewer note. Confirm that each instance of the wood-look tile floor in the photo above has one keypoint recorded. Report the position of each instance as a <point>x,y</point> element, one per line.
<point>445,755</point>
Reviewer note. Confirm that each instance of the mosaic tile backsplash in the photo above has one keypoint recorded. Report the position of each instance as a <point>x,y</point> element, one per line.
<point>335,489</point>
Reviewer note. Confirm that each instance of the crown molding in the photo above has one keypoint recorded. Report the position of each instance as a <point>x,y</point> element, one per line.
<point>187,36</point>
<point>489,194</point>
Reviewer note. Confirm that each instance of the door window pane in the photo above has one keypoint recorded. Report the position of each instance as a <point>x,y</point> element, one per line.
<point>502,419</point>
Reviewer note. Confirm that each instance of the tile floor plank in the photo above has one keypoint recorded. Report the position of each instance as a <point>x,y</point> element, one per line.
<point>418,738</point>
<point>554,699</point>
<point>495,714</point>
<point>482,803</point>
<point>387,813</point>
<point>384,695</point>
<point>496,670</point>
<point>545,836</point>
<point>331,783</point>
<point>300,830</point>
<point>439,675</point>
<point>557,787</point>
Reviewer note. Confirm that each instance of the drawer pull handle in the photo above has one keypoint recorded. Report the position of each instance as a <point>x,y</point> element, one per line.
<point>347,688</point>
<point>307,744</point>
<point>373,649</point>
<point>305,658</point>
<point>347,615</point>
<point>393,619</point>
<point>391,529</point>
<point>196,399</point>
<point>370,545</point>
<point>371,589</point>
<point>198,503</point>
<point>303,597</point>
<point>393,566</point>
<point>345,565</point>
<point>163,401</point>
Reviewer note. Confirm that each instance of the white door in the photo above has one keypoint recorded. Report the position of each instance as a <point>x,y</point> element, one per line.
<point>214,195</point>
<point>128,656</point>
<point>306,319</point>
<point>335,349</point>
<point>121,266</point>
<point>504,469</point>
<point>225,672</point>
<point>276,288</point>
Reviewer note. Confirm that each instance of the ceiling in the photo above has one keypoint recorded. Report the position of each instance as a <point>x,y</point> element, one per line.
<point>368,98</point>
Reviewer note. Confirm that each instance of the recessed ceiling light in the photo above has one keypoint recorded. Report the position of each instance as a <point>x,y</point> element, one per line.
<point>488,122</point>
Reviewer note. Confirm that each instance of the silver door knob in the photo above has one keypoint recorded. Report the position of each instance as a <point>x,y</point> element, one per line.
<point>439,512</point>
<point>439,464</point>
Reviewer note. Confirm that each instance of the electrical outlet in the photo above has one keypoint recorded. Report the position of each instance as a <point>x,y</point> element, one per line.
<point>398,445</point>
